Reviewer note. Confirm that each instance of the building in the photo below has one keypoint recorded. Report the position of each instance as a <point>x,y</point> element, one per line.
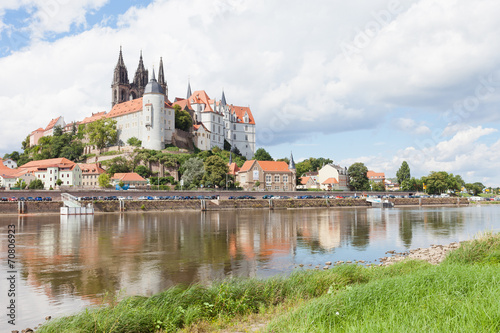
<point>9,163</point>
<point>267,175</point>
<point>308,182</point>
<point>333,177</point>
<point>130,178</point>
<point>142,110</point>
<point>377,177</point>
<point>49,171</point>
<point>90,174</point>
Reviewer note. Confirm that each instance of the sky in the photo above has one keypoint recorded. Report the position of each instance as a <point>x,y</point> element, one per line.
<point>372,81</point>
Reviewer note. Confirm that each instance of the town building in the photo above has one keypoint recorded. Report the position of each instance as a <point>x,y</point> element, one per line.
<point>267,175</point>
<point>377,177</point>
<point>333,177</point>
<point>49,171</point>
<point>308,182</point>
<point>9,163</point>
<point>90,174</point>
<point>129,178</point>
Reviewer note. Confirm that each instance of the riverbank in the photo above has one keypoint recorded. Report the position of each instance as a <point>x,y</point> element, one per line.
<point>101,206</point>
<point>460,294</point>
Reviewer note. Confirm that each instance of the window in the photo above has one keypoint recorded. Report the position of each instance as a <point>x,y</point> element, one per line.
<point>277,187</point>
<point>246,137</point>
<point>276,178</point>
<point>234,136</point>
<point>246,128</point>
<point>285,178</point>
<point>268,178</point>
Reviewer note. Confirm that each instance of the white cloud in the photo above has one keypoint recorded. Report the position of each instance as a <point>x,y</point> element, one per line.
<point>286,62</point>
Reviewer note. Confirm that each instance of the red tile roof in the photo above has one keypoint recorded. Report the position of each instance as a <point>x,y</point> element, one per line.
<point>93,117</point>
<point>304,180</point>
<point>233,169</point>
<point>375,175</point>
<point>60,162</point>
<point>200,125</point>
<point>88,168</point>
<point>268,166</point>
<point>240,111</point>
<point>52,123</point>
<point>128,177</point>
<point>330,181</point>
<point>127,107</point>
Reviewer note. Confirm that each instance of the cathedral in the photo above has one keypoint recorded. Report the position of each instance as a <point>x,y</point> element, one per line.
<point>142,109</point>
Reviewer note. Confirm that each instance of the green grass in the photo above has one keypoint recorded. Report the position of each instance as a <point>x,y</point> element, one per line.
<point>460,295</point>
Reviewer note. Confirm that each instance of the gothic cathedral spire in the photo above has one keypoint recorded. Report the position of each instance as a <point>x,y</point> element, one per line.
<point>120,84</point>
<point>189,93</point>
<point>140,79</point>
<point>161,79</point>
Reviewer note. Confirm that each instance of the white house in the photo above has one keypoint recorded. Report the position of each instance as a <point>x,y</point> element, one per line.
<point>49,171</point>
<point>333,177</point>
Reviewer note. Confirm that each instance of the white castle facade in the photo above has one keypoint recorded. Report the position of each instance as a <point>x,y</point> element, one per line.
<point>142,110</point>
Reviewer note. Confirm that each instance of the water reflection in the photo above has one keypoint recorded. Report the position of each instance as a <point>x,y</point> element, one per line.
<point>143,253</point>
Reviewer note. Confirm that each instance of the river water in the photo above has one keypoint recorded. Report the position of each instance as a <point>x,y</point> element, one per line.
<point>65,264</point>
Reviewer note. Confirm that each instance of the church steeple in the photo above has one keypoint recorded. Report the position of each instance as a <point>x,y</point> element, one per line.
<point>161,78</point>
<point>140,78</point>
<point>291,165</point>
<point>223,99</point>
<point>120,86</point>
<point>189,93</point>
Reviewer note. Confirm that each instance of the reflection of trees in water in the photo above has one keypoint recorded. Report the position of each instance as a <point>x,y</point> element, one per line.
<point>359,229</point>
<point>444,222</point>
<point>405,228</point>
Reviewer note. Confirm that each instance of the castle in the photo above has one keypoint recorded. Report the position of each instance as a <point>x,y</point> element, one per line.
<point>143,110</point>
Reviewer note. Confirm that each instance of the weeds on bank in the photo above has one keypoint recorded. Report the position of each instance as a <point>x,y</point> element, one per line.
<point>463,294</point>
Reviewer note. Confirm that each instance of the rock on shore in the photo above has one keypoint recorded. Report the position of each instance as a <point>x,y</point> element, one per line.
<point>434,254</point>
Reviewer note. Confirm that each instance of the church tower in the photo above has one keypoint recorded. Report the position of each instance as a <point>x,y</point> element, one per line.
<point>120,87</point>
<point>141,78</point>
<point>161,79</point>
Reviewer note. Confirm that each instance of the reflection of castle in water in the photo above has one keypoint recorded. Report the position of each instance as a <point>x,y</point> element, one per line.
<point>146,253</point>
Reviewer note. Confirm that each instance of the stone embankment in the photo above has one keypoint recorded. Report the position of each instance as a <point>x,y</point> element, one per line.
<point>168,205</point>
<point>434,254</point>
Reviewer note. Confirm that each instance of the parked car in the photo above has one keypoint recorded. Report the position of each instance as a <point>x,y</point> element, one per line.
<point>12,199</point>
<point>47,199</point>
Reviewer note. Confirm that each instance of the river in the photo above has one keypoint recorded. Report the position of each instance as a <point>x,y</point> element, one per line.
<point>64,264</point>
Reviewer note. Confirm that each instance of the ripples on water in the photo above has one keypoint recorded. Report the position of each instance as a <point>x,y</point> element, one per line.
<point>68,263</point>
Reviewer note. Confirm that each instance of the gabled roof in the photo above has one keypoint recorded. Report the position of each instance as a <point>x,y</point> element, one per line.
<point>233,168</point>
<point>88,168</point>
<point>52,123</point>
<point>304,180</point>
<point>200,125</point>
<point>375,175</point>
<point>127,107</point>
<point>239,112</point>
<point>269,166</point>
<point>93,117</point>
<point>53,162</point>
<point>183,103</point>
<point>247,165</point>
<point>128,177</point>
<point>38,130</point>
<point>330,181</point>
<point>201,97</point>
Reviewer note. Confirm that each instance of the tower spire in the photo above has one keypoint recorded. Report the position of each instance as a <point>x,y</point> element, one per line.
<point>161,78</point>
<point>291,165</point>
<point>189,93</point>
<point>223,99</point>
<point>120,85</point>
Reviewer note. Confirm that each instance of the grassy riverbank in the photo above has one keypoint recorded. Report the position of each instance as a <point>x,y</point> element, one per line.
<point>462,294</point>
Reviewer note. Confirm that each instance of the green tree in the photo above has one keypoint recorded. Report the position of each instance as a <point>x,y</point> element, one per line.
<point>262,155</point>
<point>104,180</point>
<point>216,170</point>
<point>414,184</point>
<point>377,186</point>
<point>102,132</point>
<point>36,184</point>
<point>133,141</point>
<point>20,184</point>
<point>358,178</point>
<point>436,182</point>
<point>403,173</point>
<point>143,171</point>
<point>118,164</point>
<point>474,188</point>
<point>193,171</point>
<point>73,152</point>
<point>183,120</point>
<point>59,182</point>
